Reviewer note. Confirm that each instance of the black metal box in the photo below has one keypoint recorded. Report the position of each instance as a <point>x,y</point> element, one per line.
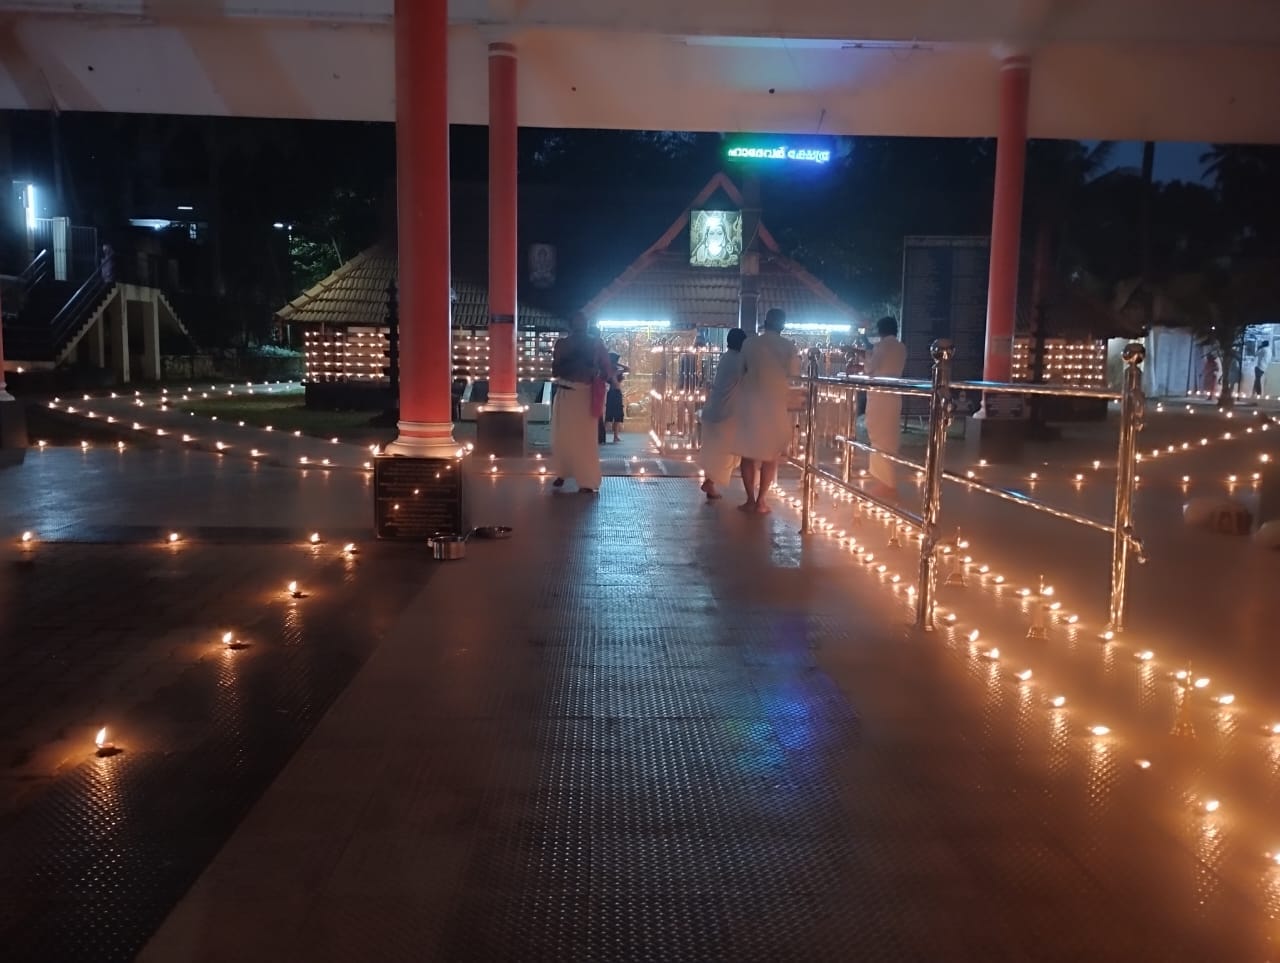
<point>416,498</point>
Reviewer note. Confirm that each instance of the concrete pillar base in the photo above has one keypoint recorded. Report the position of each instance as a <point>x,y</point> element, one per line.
<point>1268,496</point>
<point>500,433</point>
<point>415,499</point>
<point>420,439</point>
<point>13,432</point>
<point>998,440</point>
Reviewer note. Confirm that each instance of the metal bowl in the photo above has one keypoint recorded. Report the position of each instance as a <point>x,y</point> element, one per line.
<point>492,531</point>
<point>446,548</point>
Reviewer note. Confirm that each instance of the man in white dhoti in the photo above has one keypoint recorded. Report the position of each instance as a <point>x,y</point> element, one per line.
<point>763,424</point>
<point>884,411</point>
<point>719,423</point>
<point>582,369</point>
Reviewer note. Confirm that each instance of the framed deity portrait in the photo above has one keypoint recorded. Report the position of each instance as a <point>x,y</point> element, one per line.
<point>715,238</point>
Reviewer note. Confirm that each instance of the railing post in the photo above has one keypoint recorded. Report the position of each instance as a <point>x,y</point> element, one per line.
<point>806,479</point>
<point>1132,409</point>
<point>939,419</point>
<point>850,431</point>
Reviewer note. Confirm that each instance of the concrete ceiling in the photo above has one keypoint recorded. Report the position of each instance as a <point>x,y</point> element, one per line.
<point>1113,69</point>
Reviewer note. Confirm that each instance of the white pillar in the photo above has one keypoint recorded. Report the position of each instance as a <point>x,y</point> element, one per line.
<point>116,318</point>
<point>94,343</point>
<point>151,337</point>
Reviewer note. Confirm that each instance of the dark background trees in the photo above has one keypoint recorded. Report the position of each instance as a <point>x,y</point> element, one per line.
<point>603,197</point>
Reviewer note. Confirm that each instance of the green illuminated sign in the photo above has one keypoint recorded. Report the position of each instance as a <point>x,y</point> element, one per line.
<point>781,153</point>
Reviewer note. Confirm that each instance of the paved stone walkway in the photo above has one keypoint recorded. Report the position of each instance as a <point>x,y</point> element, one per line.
<point>643,728</point>
<point>689,734</point>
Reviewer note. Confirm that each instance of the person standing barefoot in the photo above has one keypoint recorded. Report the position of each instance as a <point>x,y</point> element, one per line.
<point>718,421</point>
<point>581,366</point>
<point>769,362</point>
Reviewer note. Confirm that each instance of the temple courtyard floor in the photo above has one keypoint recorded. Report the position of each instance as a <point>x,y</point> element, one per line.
<point>645,727</point>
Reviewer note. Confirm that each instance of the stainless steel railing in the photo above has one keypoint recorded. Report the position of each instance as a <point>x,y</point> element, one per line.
<point>940,391</point>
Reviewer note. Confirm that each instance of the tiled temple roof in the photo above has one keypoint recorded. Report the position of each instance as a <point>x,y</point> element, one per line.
<point>662,284</point>
<point>356,293</point>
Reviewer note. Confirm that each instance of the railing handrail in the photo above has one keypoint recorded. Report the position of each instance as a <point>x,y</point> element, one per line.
<point>1007,494</point>
<point>35,272</point>
<point>896,386</point>
<point>1037,388</point>
<point>907,386</point>
<point>941,393</point>
<point>65,319</point>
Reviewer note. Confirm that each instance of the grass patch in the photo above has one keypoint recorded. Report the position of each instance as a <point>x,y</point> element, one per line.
<point>288,413</point>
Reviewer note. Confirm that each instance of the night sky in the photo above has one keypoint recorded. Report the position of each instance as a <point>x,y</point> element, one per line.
<point>1174,161</point>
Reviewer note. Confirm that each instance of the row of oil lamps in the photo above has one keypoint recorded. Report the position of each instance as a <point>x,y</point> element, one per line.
<point>230,642</point>
<point>1185,679</point>
<point>1079,478</point>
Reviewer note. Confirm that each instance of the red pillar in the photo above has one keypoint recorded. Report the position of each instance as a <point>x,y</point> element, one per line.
<point>503,248</point>
<point>1006,218</point>
<point>422,189</point>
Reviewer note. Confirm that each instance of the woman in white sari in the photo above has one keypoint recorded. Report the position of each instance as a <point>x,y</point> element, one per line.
<point>764,425</point>
<point>718,422</point>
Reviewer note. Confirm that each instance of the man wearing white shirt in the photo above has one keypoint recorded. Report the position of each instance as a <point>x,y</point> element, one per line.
<point>884,411</point>
<point>1260,362</point>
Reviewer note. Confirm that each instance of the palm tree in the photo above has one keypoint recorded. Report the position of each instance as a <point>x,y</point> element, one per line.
<point>1247,179</point>
<point>1058,176</point>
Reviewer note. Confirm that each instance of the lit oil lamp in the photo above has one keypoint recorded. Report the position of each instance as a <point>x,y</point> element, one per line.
<point>105,748</point>
<point>229,641</point>
<point>295,591</point>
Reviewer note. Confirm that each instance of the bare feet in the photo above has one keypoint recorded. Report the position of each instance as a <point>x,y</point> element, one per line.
<point>762,507</point>
<point>747,506</point>
<point>709,487</point>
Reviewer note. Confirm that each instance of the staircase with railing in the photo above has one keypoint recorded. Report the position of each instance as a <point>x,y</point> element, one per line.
<point>49,316</point>
<point>44,318</point>
<point>80,311</point>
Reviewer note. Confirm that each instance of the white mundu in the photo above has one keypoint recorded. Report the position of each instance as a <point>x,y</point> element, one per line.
<point>764,427</point>
<point>719,424</point>
<point>884,411</point>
